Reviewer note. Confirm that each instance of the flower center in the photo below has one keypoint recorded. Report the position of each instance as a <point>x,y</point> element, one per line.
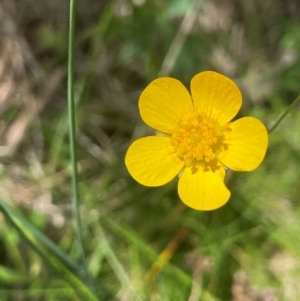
<point>198,139</point>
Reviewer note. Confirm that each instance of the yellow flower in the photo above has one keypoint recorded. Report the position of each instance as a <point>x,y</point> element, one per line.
<point>195,138</point>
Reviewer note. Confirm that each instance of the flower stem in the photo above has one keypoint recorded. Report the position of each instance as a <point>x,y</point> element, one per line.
<point>289,108</point>
<point>71,109</point>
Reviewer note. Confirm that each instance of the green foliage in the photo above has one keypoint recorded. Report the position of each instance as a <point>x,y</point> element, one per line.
<point>247,249</point>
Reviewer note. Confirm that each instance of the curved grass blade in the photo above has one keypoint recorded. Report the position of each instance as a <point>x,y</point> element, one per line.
<point>56,259</point>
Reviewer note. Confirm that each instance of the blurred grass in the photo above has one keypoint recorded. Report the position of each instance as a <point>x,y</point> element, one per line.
<point>247,250</point>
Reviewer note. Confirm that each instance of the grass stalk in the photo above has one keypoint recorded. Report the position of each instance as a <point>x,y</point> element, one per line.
<point>72,127</point>
<point>289,108</point>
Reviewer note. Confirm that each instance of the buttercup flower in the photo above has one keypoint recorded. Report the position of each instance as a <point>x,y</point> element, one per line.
<point>195,138</point>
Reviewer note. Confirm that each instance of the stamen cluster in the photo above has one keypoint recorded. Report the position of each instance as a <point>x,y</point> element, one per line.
<point>198,139</point>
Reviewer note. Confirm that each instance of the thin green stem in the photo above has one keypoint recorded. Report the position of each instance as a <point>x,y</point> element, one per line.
<point>289,108</point>
<point>71,108</point>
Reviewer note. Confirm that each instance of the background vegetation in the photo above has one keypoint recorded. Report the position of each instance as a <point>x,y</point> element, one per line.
<point>143,243</point>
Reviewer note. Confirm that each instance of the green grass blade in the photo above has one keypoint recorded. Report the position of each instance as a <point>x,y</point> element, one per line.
<point>11,214</point>
<point>289,108</point>
<point>56,259</point>
<point>131,237</point>
<point>71,108</point>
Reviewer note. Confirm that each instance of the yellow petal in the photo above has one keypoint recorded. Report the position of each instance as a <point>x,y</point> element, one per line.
<point>203,190</point>
<point>162,101</point>
<point>247,144</point>
<point>217,95</point>
<point>152,161</point>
